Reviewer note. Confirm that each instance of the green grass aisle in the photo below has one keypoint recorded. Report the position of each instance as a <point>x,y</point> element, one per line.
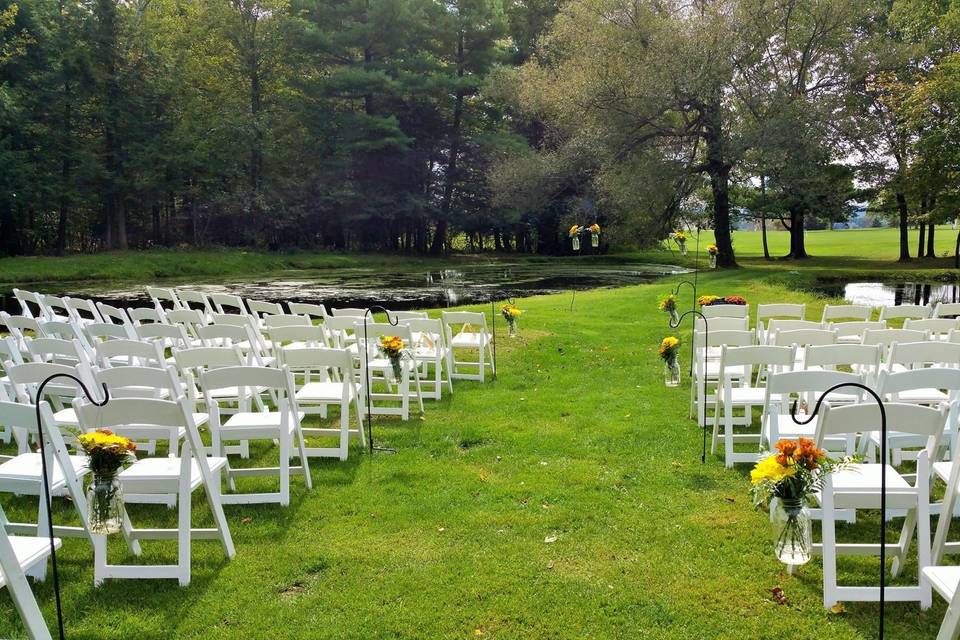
<point>564,500</point>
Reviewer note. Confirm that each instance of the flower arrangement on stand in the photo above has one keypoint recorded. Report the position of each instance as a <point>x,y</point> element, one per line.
<point>713,251</point>
<point>106,455</point>
<point>511,313</point>
<point>594,235</point>
<point>669,353</point>
<point>681,239</point>
<point>574,234</point>
<point>791,477</point>
<point>392,347</point>
<point>669,305</point>
<point>706,301</point>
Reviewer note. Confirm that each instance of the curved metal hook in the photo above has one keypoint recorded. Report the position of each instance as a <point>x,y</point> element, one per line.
<point>676,291</point>
<point>687,313</point>
<point>379,309</point>
<point>823,397</point>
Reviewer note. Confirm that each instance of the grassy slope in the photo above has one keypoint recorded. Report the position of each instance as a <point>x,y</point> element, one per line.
<point>578,439</point>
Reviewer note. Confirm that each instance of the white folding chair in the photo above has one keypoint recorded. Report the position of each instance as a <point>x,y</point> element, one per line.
<point>190,320</point>
<point>785,324</point>
<point>282,425</point>
<point>884,338</point>
<point>54,308</point>
<point>429,349</point>
<point>328,380</point>
<point>83,311</point>
<point>146,316</point>
<point>68,332</point>
<point>97,332</point>
<point>115,315</point>
<point>164,298</point>
<point>846,312</point>
<point>192,299</point>
<point>408,315</point>
<point>467,331</point>
<point>140,353</point>
<point>858,487</point>
<point>316,312</point>
<point>151,418</point>
<point>723,323</point>
<point>21,328</point>
<point>863,359</point>
<point>726,311</point>
<point>18,556</point>
<point>349,312</point>
<point>918,355</point>
<point>386,401</point>
<point>228,303</point>
<point>31,303</point>
<point>851,331</point>
<point>172,336</point>
<point>930,387</point>
<point>945,580</point>
<point>946,310</point>
<point>706,370</point>
<point>732,395</point>
<point>263,309</point>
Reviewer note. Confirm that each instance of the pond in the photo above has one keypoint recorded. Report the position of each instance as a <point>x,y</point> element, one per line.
<point>362,287</point>
<point>880,294</point>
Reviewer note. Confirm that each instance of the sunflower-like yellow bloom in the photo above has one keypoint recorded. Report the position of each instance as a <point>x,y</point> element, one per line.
<point>712,249</point>
<point>105,440</point>
<point>770,469</point>
<point>594,228</point>
<point>574,230</point>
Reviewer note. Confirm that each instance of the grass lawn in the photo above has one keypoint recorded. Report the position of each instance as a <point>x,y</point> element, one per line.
<point>564,500</point>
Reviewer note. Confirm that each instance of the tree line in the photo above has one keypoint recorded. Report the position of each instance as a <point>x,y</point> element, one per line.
<point>429,125</point>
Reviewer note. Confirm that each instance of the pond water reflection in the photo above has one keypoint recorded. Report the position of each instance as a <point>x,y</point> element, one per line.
<point>881,294</point>
<point>361,287</point>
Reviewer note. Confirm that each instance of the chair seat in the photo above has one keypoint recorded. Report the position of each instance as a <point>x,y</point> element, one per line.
<point>160,475</point>
<point>29,551</point>
<point>858,486</point>
<point>942,470</point>
<point>787,428</point>
<point>747,395</point>
<point>28,467</point>
<point>473,340</point>
<point>923,396</point>
<point>944,580</point>
<point>258,420</point>
<point>324,392</point>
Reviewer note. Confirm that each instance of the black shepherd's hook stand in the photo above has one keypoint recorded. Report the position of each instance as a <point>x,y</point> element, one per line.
<point>576,276</point>
<point>46,481</point>
<point>366,372</point>
<point>693,353</point>
<point>883,472</point>
<point>693,305</point>
<point>493,323</point>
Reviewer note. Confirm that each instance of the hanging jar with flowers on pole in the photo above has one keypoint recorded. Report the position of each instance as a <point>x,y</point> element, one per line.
<point>713,251</point>
<point>392,348</point>
<point>594,235</point>
<point>681,239</point>
<point>511,313</point>
<point>669,353</point>
<point>574,234</point>
<point>669,305</point>
<point>106,455</point>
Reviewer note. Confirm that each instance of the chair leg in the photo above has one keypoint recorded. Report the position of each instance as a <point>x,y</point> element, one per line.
<point>344,429</point>
<point>903,544</point>
<point>829,547</point>
<point>284,466</point>
<point>183,535</point>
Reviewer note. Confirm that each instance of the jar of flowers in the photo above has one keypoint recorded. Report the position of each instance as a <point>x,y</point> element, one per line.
<point>106,455</point>
<point>392,348</point>
<point>594,235</point>
<point>669,353</point>
<point>681,239</point>
<point>511,313</point>
<point>669,305</point>
<point>713,252</point>
<point>574,233</point>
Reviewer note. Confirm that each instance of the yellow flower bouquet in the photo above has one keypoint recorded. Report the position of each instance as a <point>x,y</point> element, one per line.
<point>106,454</point>
<point>392,347</point>
<point>574,233</point>
<point>510,313</point>
<point>669,305</point>
<point>681,239</point>
<point>594,234</point>
<point>669,353</point>
<point>713,251</point>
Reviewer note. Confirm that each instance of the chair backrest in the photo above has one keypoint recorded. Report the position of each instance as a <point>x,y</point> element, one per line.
<point>319,359</point>
<point>139,382</point>
<point>18,325</point>
<point>856,327</point>
<point>917,311</point>
<point>431,328</point>
<point>9,351</point>
<point>886,337</point>
<point>192,299</point>
<point>946,309</point>
<point>234,319</point>
<point>224,335</point>
<point>174,333</point>
<point>143,418</point>
<point>730,337</point>
<point>407,315</point>
<point>803,337</point>
<point>228,303</point>
<point>190,319</point>
<point>846,312</point>
<point>893,383</point>
<point>313,311</point>
<point>55,308</point>
<point>145,315</point>
<point>286,320</point>
<point>354,312</point>
<point>834,355</point>
<point>277,379</point>
<point>164,298</point>
<point>782,310</point>
<point>83,310</point>
<point>802,382</point>
<point>938,327</point>
<point>57,350</point>
<point>103,331</point>
<point>341,329</point>
<point>143,353</point>
<point>771,359</point>
<point>723,323</point>
<point>264,309</point>
<point>860,418</point>
<point>116,315</point>
<point>726,311</point>
<point>778,324</point>
<point>309,334</point>
<point>475,319</point>
<point>915,355</point>
<point>31,303</point>
<point>27,377</point>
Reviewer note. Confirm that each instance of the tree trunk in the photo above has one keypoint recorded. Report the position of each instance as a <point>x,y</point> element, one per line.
<point>440,237</point>
<point>798,248</point>
<point>922,228</point>
<point>763,221</point>
<point>956,253</point>
<point>904,229</point>
<point>719,171</point>
<point>931,252</point>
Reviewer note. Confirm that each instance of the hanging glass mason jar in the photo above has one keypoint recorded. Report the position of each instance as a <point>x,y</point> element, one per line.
<point>674,318</point>
<point>713,261</point>
<point>397,367</point>
<point>671,372</point>
<point>683,248</point>
<point>575,241</point>
<point>792,532</point>
<point>594,240</point>
<point>105,504</point>
<point>512,327</point>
